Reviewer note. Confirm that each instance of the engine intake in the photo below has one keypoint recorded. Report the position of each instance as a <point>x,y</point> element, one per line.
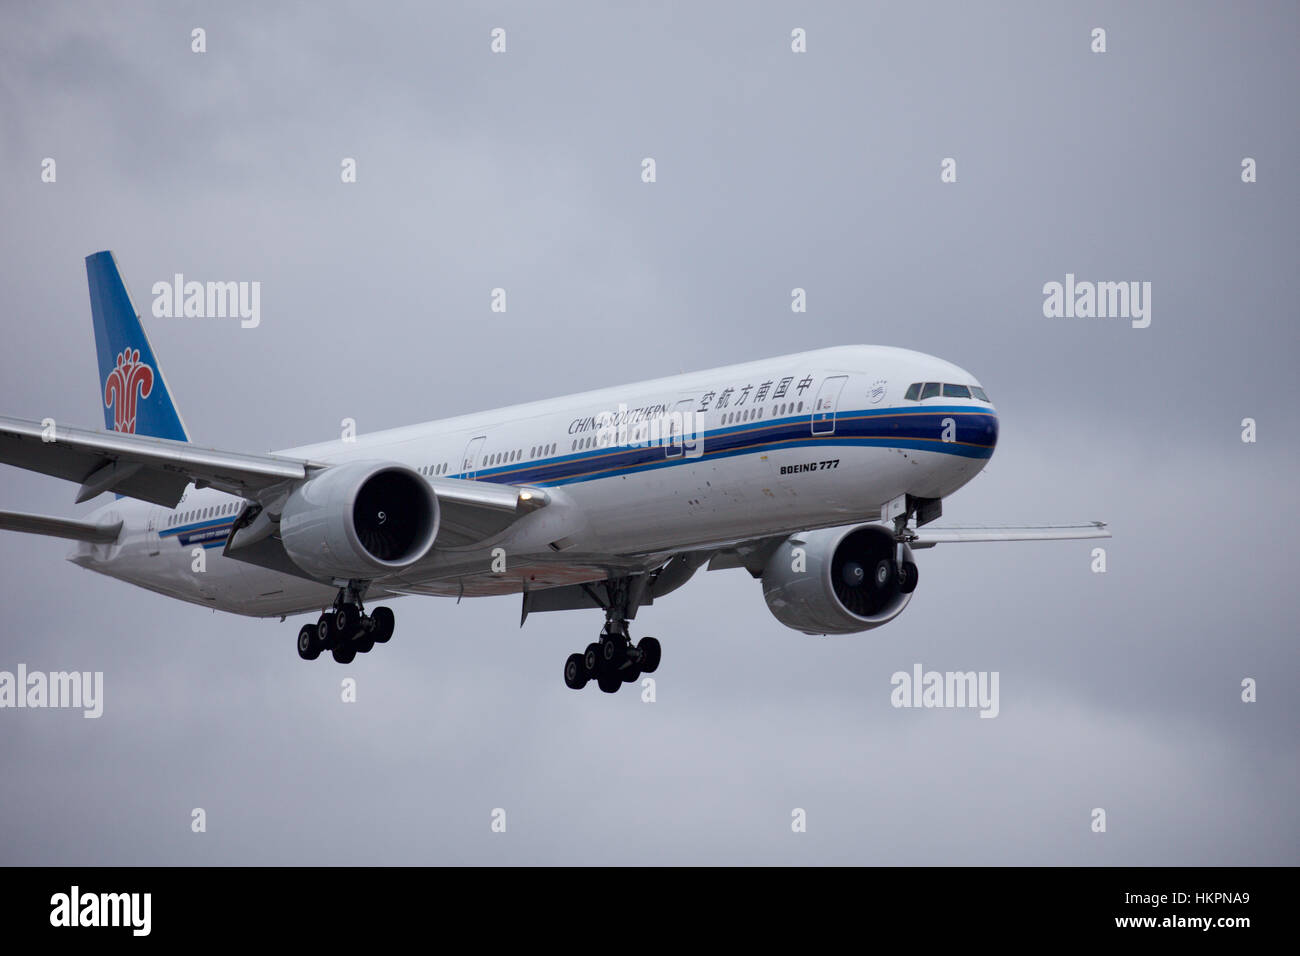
<point>362,519</point>
<point>845,581</point>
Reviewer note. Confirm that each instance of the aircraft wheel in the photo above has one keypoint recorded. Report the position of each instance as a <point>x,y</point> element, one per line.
<point>609,683</point>
<point>575,672</point>
<point>650,654</point>
<point>347,621</point>
<point>612,652</point>
<point>910,575</point>
<point>308,646</point>
<point>344,655</point>
<point>382,624</point>
<point>591,659</point>
<point>327,634</point>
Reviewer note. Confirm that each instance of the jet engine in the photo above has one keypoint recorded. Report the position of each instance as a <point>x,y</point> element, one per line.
<point>360,520</point>
<point>838,580</point>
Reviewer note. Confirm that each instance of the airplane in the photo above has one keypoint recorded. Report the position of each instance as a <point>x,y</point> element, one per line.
<point>820,473</point>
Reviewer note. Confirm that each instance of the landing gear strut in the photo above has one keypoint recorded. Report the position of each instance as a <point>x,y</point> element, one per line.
<point>614,660</point>
<point>907,571</point>
<point>346,630</point>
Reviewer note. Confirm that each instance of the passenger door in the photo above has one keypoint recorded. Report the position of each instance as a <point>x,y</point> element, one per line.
<point>469,461</point>
<point>828,398</point>
<point>674,441</point>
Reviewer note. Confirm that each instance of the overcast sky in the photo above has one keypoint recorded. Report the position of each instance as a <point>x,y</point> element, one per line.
<point>775,170</point>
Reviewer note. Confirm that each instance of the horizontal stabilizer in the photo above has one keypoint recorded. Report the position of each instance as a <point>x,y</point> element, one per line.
<point>95,533</point>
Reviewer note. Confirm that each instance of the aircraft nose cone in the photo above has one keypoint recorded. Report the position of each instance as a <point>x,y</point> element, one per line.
<point>990,437</point>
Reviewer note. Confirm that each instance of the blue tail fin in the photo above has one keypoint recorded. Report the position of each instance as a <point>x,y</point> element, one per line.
<point>135,394</point>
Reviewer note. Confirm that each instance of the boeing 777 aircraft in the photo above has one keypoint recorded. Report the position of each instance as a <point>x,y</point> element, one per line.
<point>817,473</point>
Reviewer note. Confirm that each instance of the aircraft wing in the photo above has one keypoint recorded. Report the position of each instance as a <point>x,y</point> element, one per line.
<point>753,554</point>
<point>152,469</point>
<point>158,470</point>
<point>104,532</point>
<point>929,537</point>
<point>469,511</point>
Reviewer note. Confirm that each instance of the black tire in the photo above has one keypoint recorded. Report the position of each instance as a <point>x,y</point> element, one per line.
<point>885,574</point>
<point>591,658</point>
<point>363,645</point>
<point>630,673</point>
<point>575,672</point>
<point>326,633</point>
<point>308,642</point>
<point>382,623</point>
<point>650,654</point>
<point>612,652</point>
<point>347,621</point>
<point>344,655</point>
<point>910,575</point>
<point>609,683</point>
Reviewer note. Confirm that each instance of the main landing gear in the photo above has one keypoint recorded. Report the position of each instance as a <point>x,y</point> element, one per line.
<point>613,660</point>
<point>346,630</point>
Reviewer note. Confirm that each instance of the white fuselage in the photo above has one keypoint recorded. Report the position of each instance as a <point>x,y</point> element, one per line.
<point>838,441</point>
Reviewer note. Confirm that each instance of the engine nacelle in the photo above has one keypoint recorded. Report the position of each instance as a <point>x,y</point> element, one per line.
<point>845,581</point>
<point>361,520</point>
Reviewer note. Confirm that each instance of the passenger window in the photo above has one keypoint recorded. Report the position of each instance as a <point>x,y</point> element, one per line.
<point>956,391</point>
<point>913,392</point>
<point>929,390</point>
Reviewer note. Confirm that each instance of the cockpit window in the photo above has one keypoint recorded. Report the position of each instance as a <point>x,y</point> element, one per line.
<point>979,393</point>
<point>956,391</point>
<point>913,391</point>
<point>930,390</point>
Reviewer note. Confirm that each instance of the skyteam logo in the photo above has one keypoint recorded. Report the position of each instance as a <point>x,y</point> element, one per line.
<point>128,382</point>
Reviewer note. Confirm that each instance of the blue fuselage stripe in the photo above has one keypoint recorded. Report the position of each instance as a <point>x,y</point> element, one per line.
<point>974,433</point>
<point>209,534</point>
